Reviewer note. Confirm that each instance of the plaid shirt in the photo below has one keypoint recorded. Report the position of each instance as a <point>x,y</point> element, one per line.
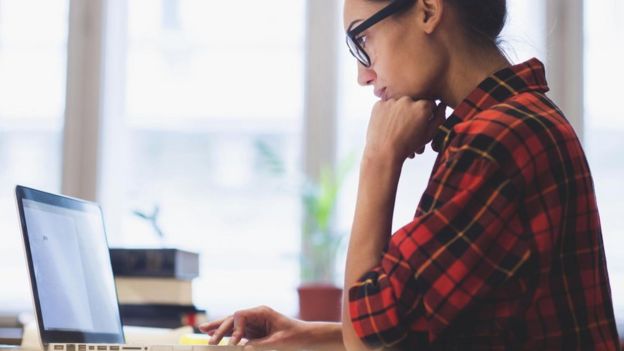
<point>505,250</point>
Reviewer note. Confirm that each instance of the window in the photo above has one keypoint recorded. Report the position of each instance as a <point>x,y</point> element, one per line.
<point>213,110</point>
<point>604,54</point>
<point>33,45</point>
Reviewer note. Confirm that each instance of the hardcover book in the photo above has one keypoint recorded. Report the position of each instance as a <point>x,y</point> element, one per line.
<point>140,290</point>
<point>164,263</point>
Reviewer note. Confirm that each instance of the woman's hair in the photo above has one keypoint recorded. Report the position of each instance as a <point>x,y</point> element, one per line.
<point>484,19</point>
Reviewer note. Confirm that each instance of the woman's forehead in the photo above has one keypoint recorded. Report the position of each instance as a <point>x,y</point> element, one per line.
<point>355,10</point>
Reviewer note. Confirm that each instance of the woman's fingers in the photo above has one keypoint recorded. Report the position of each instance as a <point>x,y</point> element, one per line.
<point>440,111</point>
<point>209,327</point>
<point>439,116</point>
<point>224,329</point>
<point>437,119</point>
<point>240,323</point>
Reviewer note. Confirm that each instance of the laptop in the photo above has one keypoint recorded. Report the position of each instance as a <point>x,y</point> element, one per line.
<point>72,278</point>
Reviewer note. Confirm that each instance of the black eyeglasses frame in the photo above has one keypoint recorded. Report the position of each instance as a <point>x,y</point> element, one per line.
<point>352,34</point>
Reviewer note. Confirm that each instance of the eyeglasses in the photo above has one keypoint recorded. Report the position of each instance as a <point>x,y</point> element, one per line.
<point>355,42</point>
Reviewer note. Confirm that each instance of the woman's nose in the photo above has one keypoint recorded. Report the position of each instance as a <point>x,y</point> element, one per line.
<point>366,76</point>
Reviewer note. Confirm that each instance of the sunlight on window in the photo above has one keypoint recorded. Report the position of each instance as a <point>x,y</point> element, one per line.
<point>207,61</point>
<point>210,89</point>
<point>524,35</point>
<point>33,45</point>
<point>604,54</point>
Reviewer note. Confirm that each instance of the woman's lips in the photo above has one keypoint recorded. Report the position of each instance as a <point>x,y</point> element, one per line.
<point>381,93</point>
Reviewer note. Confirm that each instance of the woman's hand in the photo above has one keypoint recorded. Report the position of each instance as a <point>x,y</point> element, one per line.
<point>400,128</point>
<point>263,328</point>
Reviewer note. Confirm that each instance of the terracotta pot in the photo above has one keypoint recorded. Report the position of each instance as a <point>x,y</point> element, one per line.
<point>320,302</point>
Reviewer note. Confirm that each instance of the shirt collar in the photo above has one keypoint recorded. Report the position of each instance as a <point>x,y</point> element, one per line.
<point>510,81</point>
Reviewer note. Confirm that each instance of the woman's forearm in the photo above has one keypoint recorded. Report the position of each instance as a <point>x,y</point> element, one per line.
<point>372,227</point>
<point>324,336</point>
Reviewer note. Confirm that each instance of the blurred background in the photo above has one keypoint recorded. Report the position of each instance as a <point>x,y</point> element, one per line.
<point>219,112</point>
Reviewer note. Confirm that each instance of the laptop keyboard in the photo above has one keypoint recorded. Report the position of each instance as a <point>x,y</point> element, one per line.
<point>94,347</point>
<point>117,347</point>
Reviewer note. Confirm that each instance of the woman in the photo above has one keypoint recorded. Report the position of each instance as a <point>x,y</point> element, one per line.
<point>505,250</point>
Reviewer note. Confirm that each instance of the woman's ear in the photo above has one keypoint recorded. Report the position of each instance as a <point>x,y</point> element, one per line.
<point>431,14</point>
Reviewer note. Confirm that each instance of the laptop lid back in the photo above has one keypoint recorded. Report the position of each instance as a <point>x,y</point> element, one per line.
<point>70,269</point>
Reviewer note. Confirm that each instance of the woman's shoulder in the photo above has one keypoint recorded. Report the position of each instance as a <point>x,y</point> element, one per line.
<point>513,132</point>
<point>527,117</point>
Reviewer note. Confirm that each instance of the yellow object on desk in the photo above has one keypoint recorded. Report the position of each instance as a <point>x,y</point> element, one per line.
<point>200,339</point>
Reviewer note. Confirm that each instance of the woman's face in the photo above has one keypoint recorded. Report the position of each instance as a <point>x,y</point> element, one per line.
<point>406,59</point>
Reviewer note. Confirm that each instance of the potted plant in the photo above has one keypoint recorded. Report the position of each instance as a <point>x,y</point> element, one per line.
<point>152,219</point>
<point>319,295</point>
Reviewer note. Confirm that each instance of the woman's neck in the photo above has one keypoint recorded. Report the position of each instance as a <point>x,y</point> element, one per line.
<point>467,69</point>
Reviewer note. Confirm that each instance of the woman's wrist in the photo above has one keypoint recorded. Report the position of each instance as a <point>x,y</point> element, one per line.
<point>374,159</point>
<point>323,336</point>
<point>372,224</point>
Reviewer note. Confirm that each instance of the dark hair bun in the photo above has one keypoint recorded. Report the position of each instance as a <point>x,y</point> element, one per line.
<point>484,18</point>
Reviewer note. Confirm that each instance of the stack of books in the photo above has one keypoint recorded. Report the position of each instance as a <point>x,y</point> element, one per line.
<point>11,328</point>
<point>155,287</point>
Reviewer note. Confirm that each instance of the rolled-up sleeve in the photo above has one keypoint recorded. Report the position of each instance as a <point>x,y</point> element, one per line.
<point>465,241</point>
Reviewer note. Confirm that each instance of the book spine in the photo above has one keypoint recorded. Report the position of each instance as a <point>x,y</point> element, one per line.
<point>163,263</point>
<point>163,316</point>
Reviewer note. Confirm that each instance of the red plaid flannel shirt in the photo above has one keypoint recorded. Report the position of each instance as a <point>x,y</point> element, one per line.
<point>505,250</point>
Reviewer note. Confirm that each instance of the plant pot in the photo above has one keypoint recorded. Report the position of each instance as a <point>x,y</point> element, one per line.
<point>320,302</point>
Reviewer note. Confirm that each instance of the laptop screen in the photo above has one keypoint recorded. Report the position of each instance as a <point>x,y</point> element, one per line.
<point>70,267</point>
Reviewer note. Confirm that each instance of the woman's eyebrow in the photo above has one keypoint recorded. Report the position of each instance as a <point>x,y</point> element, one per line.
<point>353,24</point>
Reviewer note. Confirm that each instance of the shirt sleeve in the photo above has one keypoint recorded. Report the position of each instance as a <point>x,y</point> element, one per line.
<point>464,243</point>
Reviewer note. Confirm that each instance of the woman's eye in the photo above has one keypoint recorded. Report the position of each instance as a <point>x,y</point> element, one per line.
<point>362,41</point>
